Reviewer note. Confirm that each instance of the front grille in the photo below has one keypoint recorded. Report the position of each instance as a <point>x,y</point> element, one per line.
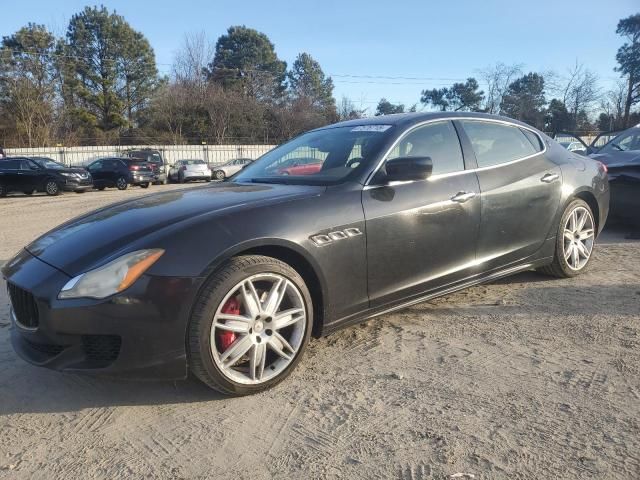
<point>24,306</point>
<point>47,349</point>
<point>101,350</point>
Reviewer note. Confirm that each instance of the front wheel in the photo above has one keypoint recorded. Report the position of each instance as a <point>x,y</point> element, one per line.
<point>250,326</point>
<point>219,175</point>
<point>574,242</point>
<point>144,185</point>
<point>52,188</point>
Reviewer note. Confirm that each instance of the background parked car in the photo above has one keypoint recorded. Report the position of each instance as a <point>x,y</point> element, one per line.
<point>575,147</point>
<point>40,174</point>
<point>300,166</point>
<point>220,172</point>
<point>155,160</point>
<point>621,155</point>
<point>187,170</point>
<point>120,173</point>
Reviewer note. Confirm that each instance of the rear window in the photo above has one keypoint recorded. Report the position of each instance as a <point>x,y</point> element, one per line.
<point>192,162</point>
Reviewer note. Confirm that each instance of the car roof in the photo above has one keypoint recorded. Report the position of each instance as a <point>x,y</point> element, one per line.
<point>408,119</point>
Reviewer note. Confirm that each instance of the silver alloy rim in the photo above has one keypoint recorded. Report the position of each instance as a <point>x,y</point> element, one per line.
<point>219,174</point>
<point>269,330</point>
<point>52,188</point>
<point>121,183</point>
<point>578,238</point>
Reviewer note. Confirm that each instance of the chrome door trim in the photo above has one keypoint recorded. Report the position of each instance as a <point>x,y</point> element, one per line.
<point>459,172</point>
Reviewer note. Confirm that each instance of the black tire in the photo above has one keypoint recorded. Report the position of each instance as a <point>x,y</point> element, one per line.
<point>52,188</point>
<point>181,178</point>
<point>80,191</point>
<point>122,184</point>
<point>207,180</point>
<point>101,188</point>
<point>28,192</point>
<point>144,185</point>
<point>217,287</point>
<point>219,175</point>
<point>3,190</point>
<point>559,267</point>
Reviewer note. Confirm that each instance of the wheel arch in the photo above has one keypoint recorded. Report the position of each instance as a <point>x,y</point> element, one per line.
<point>293,255</point>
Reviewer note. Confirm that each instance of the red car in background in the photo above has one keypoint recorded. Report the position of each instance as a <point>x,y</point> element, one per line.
<point>302,166</point>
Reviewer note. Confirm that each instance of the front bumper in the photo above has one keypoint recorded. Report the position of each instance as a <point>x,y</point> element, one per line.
<point>139,333</point>
<point>71,185</point>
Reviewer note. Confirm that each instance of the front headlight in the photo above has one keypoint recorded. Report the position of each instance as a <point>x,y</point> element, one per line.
<point>68,174</point>
<point>112,278</point>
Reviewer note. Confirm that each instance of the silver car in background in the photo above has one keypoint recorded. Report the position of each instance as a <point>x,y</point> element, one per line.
<point>220,172</point>
<point>187,170</point>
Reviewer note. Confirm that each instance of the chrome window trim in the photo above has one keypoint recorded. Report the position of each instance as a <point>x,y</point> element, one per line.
<point>466,170</point>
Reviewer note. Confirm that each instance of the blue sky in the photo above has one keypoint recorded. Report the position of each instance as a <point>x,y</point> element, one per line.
<point>439,42</point>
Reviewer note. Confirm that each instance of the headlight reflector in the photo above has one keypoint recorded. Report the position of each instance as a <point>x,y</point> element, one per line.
<point>112,278</point>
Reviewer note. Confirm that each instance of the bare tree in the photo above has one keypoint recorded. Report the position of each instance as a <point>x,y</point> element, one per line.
<point>579,91</point>
<point>191,60</point>
<point>347,110</point>
<point>498,77</point>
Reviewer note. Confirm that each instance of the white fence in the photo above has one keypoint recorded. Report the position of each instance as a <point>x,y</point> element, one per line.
<point>80,156</point>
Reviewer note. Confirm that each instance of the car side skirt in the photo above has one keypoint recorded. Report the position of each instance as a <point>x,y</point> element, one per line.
<point>477,280</point>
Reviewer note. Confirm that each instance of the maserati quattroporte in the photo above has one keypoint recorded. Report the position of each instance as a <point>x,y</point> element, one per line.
<point>230,281</point>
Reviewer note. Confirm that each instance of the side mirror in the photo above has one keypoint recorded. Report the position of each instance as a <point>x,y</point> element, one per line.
<point>408,168</point>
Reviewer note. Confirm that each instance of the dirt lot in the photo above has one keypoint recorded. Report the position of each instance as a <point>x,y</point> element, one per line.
<point>528,377</point>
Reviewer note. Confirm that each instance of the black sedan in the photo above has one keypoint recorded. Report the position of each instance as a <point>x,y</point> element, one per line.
<point>40,174</point>
<point>621,155</point>
<point>231,280</point>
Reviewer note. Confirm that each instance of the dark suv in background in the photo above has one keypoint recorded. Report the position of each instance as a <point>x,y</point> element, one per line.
<point>41,174</point>
<point>120,173</point>
<point>154,159</point>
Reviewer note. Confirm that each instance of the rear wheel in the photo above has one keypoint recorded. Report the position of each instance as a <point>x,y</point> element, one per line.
<point>574,242</point>
<point>250,326</point>
<point>52,188</point>
<point>219,175</point>
<point>101,188</point>
<point>28,192</point>
<point>122,183</point>
<point>144,185</point>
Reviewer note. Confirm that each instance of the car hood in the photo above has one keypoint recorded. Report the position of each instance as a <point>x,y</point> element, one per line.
<point>92,239</point>
<point>80,171</point>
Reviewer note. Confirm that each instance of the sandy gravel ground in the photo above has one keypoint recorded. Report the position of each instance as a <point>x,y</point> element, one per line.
<point>528,377</point>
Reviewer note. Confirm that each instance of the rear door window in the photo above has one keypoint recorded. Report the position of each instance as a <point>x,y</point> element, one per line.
<point>8,164</point>
<point>495,143</point>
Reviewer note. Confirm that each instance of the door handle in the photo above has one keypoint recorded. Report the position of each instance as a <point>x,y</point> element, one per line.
<point>462,197</point>
<point>549,177</point>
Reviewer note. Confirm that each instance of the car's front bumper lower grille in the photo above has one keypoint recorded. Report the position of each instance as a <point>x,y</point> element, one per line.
<point>24,306</point>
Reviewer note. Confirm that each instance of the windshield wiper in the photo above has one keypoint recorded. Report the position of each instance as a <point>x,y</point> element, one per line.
<point>615,145</point>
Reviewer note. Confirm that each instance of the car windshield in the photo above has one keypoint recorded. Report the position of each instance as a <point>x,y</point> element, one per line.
<point>628,140</point>
<point>320,157</point>
<point>47,163</point>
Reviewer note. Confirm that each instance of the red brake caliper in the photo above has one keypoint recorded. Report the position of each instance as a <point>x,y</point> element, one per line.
<point>226,338</point>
